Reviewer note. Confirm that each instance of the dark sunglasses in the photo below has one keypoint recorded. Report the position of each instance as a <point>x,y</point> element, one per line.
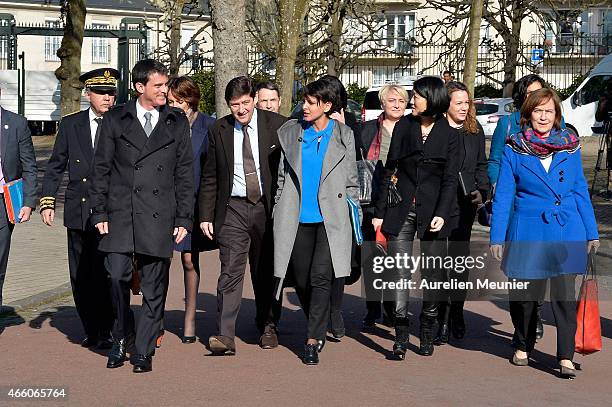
<point>109,92</point>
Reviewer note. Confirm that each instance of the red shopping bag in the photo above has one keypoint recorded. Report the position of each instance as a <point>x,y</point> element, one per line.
<point>588,329</point>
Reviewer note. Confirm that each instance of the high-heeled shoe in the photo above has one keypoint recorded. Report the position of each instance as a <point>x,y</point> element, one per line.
<point>160,338</point>
<point>567,372</point>
<point>188,339</point>
<point>516,361</point>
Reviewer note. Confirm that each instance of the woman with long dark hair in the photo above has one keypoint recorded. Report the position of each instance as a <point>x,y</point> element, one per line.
<point>422,163</point>
<point>472,188</point>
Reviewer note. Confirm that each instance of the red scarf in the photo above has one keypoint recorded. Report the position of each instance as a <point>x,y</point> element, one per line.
<point>374,151</point>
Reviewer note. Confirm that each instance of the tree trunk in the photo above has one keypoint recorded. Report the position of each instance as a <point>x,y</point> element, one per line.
<point>471,48</point>
<point>513,43</point>
<point>174,19</point>
<point>230,55</point>
<point>292,13</point>
<point>335,36</point>
<point>70,56</point>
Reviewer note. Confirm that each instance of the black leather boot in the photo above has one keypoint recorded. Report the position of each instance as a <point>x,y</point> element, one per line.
<point>426,347</point>
<point>402,338</point>
<point>443,324</point>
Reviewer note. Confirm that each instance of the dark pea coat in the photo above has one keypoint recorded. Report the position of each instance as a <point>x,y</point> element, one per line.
<point>142,186</point>
<point>73,150</point>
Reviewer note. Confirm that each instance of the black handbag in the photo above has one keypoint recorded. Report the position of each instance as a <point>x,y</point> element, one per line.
<point>365,172</point>
<point>485,213</point>
<point>393,196</point>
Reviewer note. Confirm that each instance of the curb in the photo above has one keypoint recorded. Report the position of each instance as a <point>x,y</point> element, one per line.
<point>44,297</point>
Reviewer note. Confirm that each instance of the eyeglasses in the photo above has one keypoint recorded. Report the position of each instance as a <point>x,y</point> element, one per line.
<point>109,92</point>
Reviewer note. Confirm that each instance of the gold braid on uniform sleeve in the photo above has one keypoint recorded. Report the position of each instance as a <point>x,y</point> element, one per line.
<point>47,202</point>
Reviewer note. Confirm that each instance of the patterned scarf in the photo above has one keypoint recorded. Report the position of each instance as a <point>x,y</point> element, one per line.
<point>528,141</point>
<point>374,151</point>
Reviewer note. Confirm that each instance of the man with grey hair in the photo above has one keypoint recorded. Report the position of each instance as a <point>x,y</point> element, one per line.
<point>268,96</point>
<point>74,148</point>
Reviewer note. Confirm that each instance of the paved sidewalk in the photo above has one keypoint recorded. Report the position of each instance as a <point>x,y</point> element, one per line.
<point>38,263</point>
<point>40,348</point>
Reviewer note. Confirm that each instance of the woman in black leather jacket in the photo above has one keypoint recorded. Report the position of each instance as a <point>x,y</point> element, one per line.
<point>423,157</point>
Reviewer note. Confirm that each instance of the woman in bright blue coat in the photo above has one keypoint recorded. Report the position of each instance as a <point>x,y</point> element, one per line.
<point>506,126</point>
<point>541,184</point>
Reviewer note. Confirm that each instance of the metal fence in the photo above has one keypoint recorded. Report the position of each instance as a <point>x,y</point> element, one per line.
<point>558,62</point>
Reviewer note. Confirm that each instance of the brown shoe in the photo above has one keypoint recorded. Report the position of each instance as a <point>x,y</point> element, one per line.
<point>269,339</point>
<point>221,345</point>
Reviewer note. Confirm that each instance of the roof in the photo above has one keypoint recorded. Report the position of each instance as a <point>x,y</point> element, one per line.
<point>127,5</point>
<point>604,67</point>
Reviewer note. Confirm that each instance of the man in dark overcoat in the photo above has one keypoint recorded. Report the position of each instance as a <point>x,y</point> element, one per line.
<point>142,203</point>
<point>76,140</point>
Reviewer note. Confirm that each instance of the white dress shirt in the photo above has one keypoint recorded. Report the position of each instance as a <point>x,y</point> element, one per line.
<point>239,182</point>
<point>93,125</point>
<point>140,112</point>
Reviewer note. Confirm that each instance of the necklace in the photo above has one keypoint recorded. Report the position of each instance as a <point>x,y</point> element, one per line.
<point>425,130</point>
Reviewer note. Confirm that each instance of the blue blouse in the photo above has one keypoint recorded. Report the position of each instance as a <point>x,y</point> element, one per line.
<point>314,146</point>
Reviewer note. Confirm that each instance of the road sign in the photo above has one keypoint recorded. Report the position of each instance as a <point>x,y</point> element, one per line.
<point>537,56</point>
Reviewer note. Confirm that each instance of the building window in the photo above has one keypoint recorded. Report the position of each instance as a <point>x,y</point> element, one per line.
<point>186,34</point>
<point>100,46</point>
<point>397,32</point>
<point>576,31</point>
<point>4,42</point>
<point>388,74</point>
<point>52,42</point>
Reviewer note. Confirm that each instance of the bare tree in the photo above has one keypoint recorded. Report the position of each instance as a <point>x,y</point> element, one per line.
<point>473,42</point>
<point>229,46</point>
<point>292,13</point>
<point>312,37</point>
<point>175,12</point>
<point>506,17</point>
<point>73,16</point>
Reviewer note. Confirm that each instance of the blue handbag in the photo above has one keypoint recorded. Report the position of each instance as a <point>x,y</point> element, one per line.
<point>355,223</point>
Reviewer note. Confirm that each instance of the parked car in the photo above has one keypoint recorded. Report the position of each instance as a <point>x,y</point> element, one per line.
<point>489,111</point>
<point>579,109</point>
<point>352,107</point>
<point>371,104</point>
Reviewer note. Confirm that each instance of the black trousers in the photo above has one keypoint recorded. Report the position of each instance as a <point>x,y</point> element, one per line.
<point>90,282</point>
<point>402,243</point>
<point>152,272</point>
<point>459,246</point>
<point>313,272</point>
<point>6,231</point>
<point>524,313</point>
<point>246,234</point>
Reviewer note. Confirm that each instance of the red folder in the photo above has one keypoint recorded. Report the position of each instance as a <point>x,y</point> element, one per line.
<point>13,199</point>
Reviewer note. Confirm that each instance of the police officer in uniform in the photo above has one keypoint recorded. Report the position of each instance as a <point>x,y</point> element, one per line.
<point>74,148</point>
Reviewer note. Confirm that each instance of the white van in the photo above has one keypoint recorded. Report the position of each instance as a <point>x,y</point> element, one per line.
<point>579,109</point>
